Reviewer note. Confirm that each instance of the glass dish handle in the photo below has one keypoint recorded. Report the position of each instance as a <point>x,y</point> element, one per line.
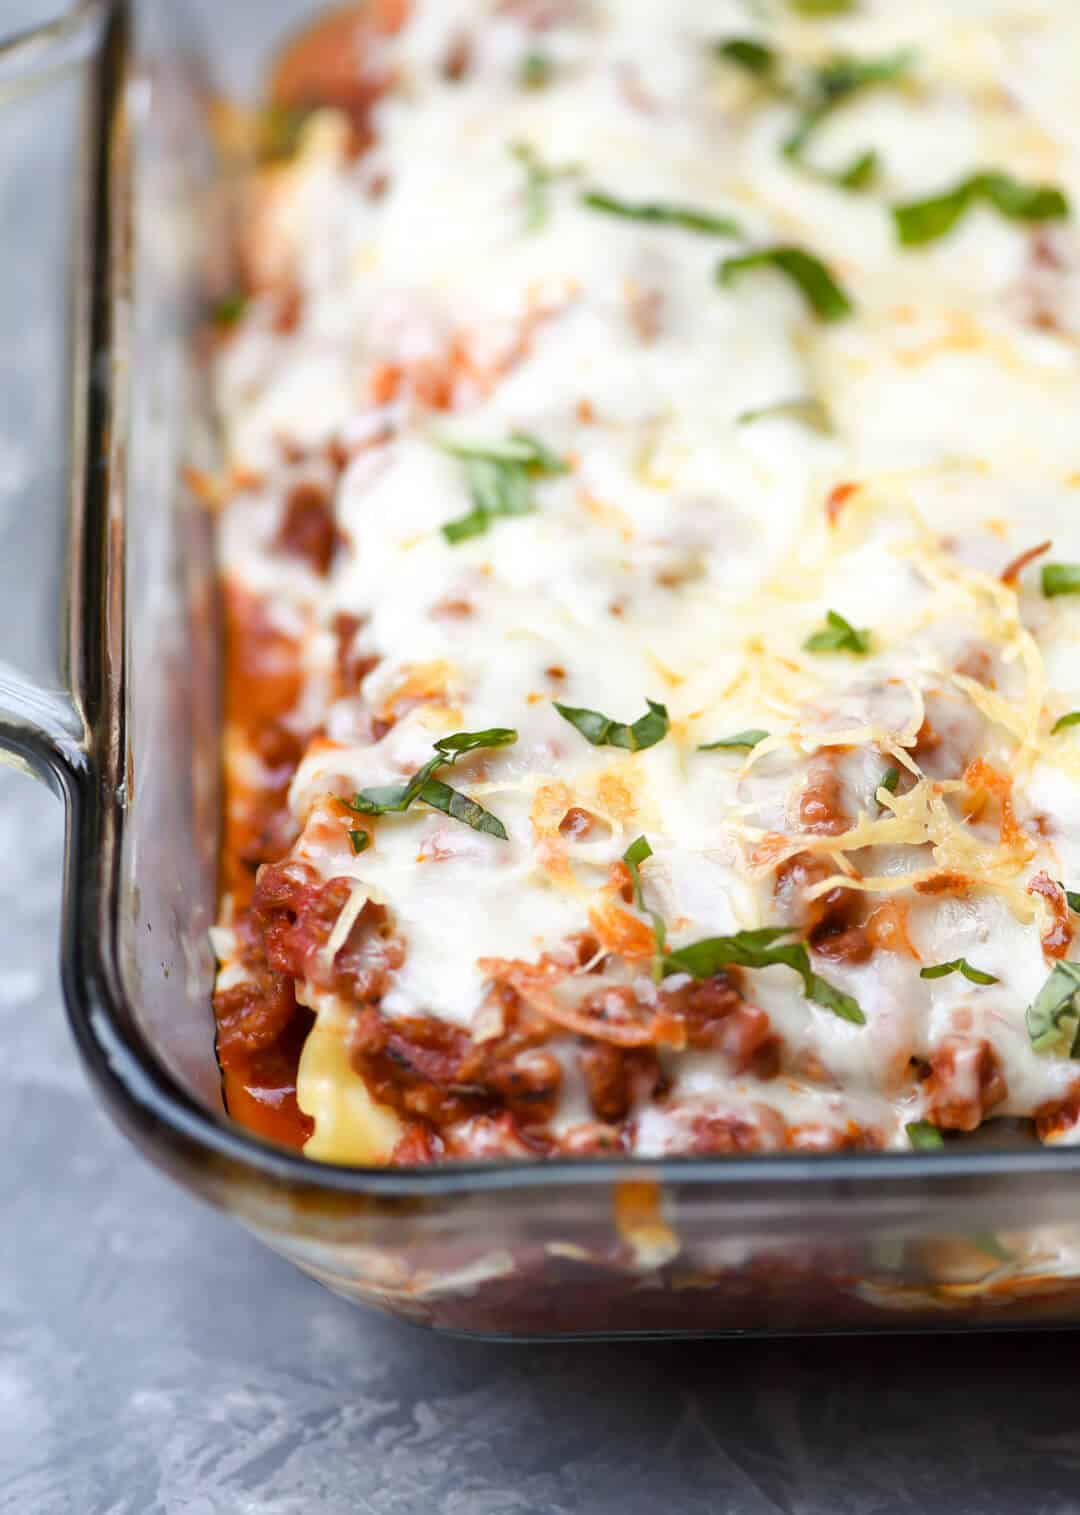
<point>47,87</point>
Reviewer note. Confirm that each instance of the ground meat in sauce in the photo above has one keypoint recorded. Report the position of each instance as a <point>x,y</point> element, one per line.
<point>576,823</point>
<point>309,528</point>
<point>424,1067</point>
<point>1058,1116</point>
<point>718,1018</point>
<point>617,1079</point>
<point>352,667</point>
<point>965,1083</point>
<point>821,802</point>
<point>263,684</point>
<point>1058,936</point>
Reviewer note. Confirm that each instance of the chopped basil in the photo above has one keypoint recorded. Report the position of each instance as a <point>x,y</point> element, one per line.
<point>922,221</point>
<point>633,857</point>
<point>521,448</point>
<point>811,410</point>
<point>816,8</point>
<point>889,780</point>
<point>924,1136</point>
<point>1023,202</point>
<point>746,949</point>
<point>843,76</point>
<point>361,841</point>
<point>472,525</point>
<point>1053,1008</point>
<point>229,309</point>
<point>392,799</point>
<point>742,741</point>
<point>746,53</point>
<point>831,998</point>
<point>859,174</point>
<point>1072,897</point>
<point>819,93</point>
<point>958,965</point>
<point>1060,578</point>
<point>661,213</point>
<point>459,807</point>
<point>820,289</point>
<point>831,85</point>
<point>499,478</point>
<point>763,949</point>
<point>839,635</point>
<point>539,176</point>
<point>1065,721</point>
<point>452,747</point>
<point>602,731</point>
<point>536,70</point>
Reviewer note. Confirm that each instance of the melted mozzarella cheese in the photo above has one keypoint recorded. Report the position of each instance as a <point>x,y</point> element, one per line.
<point>686,556</point>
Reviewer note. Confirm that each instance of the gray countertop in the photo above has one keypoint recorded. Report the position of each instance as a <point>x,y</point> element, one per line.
<point>154,1360</point>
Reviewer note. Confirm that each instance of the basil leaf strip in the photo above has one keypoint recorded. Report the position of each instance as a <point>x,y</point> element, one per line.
<point>815,8</point>
<point>1056,1003</point>
<point>962,966</point>
<point>459,807</point>
<point>823,90</point>
<point>838,635</point>
<point>746,949</point>
<point>536,70</point>
<point>393,799</point>
<point>859,174</point>
<point>452,747</point>
<point>819,288</point>
<point>742,741</point>
<point>499,478</point>
<point>602,731</point>
<point>1072,897</point>
<point>521,447</point>
<point>539,176</point>
<point>922,221</point>
<point>361,841</point>
<point>662,213</point>
<point>1060,578</point>
<point>751,56</point>
<point>889,780</point>
<point>830,86</point>
<point>633,857</point>
<point>1065,721</point>
<point>924,1136</point>
<point>843,76</point>
<point>763,949</point>
<point>809,409</point>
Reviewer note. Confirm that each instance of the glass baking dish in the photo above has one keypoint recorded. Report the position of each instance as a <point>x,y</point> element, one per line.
<point>109,691</point>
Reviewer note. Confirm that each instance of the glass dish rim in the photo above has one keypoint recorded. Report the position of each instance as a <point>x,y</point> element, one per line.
<point>91,774</point>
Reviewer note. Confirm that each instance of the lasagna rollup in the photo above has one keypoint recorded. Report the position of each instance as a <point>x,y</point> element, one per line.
<point>650,544</point>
